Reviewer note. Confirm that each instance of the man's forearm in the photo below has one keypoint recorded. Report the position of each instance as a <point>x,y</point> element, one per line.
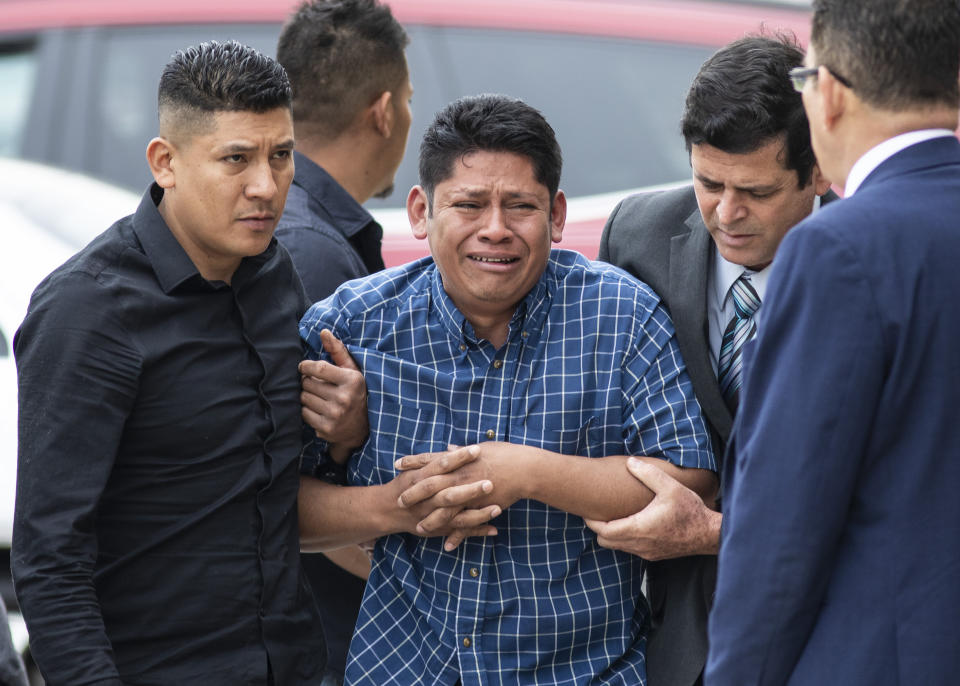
<point>334,516</point>
<point>595,488</point>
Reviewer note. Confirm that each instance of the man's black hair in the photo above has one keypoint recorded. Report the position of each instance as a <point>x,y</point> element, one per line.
<point>340,56</point>
<point>494,123</point>
<point>896,54</point>
<point>742,99</point>
<point>219,77</point>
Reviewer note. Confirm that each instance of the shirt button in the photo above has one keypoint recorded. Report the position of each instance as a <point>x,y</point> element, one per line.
<point>462,347</point>
<point>497,364</point>
<point>490,434</point>
<point>474,572</point>
<point>467,642</point>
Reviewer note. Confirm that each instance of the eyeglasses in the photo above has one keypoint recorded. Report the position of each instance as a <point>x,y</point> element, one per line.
<point>799,77</point>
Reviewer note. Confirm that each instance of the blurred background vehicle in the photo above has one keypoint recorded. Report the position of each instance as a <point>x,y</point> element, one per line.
<point>78,87</point>
<point>80,81</point>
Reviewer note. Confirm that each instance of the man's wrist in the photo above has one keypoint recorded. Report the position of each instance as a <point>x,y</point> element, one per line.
<point>711,543</point>
<point>525,472</point>
<point>339,452</point>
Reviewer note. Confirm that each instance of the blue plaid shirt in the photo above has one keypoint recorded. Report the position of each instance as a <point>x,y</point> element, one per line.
<point>591,367</point>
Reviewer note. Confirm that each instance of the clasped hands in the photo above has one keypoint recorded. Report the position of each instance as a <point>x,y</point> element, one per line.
<point>457,492</point>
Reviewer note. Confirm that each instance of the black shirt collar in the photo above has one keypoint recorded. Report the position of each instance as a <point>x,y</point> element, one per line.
<point>170,262</point>
<point>348,215</point>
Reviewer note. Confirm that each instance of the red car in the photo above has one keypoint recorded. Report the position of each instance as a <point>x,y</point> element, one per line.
<point>610,75</point>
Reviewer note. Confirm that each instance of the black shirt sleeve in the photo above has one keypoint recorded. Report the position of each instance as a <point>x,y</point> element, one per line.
<point>78,374</point>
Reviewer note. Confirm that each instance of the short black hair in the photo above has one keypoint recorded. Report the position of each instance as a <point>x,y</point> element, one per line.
<point>340,55</point>
<point>219,77</point>
<point>896,54</point>
<point>742,98</point>
<point>495,123</point>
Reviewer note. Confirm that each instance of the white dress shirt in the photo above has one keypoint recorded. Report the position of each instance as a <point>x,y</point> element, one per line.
<point>879,154</point>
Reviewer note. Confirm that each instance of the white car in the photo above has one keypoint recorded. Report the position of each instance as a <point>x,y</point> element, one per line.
<point>47,214</point>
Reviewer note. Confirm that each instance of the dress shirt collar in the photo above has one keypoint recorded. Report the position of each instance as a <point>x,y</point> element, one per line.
<point>529,315</point>
<point>728,272</point>
<point>349,216</point>
<point>170,262</point>
<point>879,154</point>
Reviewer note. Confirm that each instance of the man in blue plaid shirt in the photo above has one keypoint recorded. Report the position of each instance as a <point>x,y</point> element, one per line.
<point>550,370</point>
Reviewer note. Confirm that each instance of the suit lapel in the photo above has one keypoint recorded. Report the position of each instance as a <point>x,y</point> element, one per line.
<point>689,267</point>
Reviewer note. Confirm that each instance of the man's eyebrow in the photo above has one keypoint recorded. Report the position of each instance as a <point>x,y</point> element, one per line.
<point>514,195</point>
<point>237,147</point>
<point>758,188</point>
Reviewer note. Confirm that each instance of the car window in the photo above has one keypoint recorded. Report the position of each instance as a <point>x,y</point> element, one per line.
<point>615,103</point>
<point>17,74</point>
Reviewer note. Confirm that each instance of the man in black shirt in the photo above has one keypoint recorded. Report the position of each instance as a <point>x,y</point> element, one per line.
<point>351,93</point>
<point>155,534</point>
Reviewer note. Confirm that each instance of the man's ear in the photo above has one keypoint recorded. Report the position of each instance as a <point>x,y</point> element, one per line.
<point>381,112</point>
<point>418,210</point>
<point>821,184</point>
<point>160,152</point>
<point>558,216</point>
<point>833,97</point>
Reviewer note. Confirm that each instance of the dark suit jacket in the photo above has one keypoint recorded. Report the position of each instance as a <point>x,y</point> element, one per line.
<point>660,238</point>
<point>840,553</point>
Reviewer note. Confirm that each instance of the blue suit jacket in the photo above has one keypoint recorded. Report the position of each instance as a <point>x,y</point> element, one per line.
<point>840,554</point>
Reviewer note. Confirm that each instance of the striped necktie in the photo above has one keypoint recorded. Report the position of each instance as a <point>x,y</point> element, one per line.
<point>741,329</point>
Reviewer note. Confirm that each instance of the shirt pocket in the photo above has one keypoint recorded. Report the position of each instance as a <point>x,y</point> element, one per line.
<point>398,429</point>
<point>585,440</point>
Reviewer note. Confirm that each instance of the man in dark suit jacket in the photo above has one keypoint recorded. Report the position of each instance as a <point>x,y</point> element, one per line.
<point>840,555</point>
<point>754,178</point>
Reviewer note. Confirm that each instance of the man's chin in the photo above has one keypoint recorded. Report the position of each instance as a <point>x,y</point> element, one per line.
<point>385,193</point>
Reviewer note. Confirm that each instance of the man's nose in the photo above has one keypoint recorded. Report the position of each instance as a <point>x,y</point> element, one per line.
<point>260,182</point>
<point>730,208</point>
<point>495,227</point>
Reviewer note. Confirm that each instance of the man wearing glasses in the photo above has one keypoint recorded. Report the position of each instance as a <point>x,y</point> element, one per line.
<point>707,250</point>
<point>841,548</point>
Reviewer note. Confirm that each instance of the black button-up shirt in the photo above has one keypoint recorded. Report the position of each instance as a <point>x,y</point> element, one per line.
<point>155,534</point>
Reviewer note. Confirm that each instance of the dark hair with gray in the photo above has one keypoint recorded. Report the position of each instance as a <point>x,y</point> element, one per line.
<point>340,55</point>
<point>896,54</point>
<point>742,98</point>
<point>219,77</point>
<point>494,123</point>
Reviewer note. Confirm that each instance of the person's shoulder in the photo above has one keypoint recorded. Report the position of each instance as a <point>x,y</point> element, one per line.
<point>600,279</point>
<point>87,271</point>
<point>390,288</point>
<point>662,205</point>
<point>82,293</point>
<point>302,218</point>
<point>639,230</point>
